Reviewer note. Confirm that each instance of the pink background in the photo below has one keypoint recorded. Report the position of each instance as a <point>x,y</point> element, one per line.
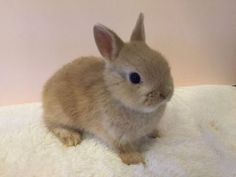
<point>198,37</point>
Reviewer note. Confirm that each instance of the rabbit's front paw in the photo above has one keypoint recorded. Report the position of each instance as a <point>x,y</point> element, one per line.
<point>67,137</point>
<point>132,158</point>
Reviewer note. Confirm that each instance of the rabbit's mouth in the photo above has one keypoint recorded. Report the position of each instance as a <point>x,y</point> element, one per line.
<point>151,107</point>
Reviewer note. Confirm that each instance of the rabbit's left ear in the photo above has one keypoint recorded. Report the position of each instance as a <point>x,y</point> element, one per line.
<point>138,33</point>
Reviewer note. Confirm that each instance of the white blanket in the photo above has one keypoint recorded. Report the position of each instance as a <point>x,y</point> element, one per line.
<point>198,140</point>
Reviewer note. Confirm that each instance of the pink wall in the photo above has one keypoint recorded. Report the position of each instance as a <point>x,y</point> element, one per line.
<point>37,37</point>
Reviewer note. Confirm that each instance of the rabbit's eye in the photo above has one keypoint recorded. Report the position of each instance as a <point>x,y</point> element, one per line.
<point>134,78</point>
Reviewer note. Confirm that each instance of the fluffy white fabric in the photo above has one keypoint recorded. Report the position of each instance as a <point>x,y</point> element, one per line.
<point>198,140</point>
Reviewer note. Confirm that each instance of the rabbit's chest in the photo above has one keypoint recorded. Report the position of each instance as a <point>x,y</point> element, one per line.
<point>130,126</point>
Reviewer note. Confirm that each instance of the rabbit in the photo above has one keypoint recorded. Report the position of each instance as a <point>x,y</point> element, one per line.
<point>118,98</point>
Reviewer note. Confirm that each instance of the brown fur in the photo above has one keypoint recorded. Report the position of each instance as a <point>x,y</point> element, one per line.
<point>94,95</point>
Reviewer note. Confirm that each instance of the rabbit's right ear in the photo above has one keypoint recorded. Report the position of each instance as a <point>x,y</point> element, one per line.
<point>138,33</point>
<point>108,43</point>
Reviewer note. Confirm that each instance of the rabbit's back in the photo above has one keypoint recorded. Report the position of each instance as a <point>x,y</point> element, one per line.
<point>71,91</point>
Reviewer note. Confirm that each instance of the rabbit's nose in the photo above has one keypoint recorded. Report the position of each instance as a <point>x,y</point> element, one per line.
<point>152,94</point>
<point>163,96</point>
<point>157,94</point>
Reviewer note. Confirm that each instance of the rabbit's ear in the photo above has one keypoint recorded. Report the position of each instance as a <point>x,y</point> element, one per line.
<point>108,43</point>
<point>138,33</point>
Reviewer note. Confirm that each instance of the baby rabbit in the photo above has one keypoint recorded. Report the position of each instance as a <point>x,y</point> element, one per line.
<point>119,98</point>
